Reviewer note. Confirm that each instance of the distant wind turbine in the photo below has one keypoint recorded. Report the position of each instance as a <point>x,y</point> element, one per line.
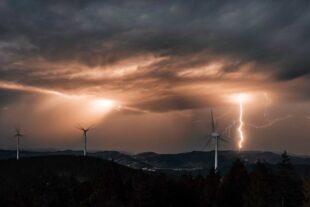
<point>85,130</point>
<point>216,136</point>
<point>18,135</point>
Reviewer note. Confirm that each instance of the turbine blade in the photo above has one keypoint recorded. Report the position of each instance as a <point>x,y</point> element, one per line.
<point>79,126</point>
<point>91,127</point>
<point>212,121</point>
<point>209,139</point>
<point>223,140</point>
<point>227,137</point>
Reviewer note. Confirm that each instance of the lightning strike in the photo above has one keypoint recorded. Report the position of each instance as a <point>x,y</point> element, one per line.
<point>227,129</point>
<point>267,104</point>
<point>241,98</point>
<point>270,123</point>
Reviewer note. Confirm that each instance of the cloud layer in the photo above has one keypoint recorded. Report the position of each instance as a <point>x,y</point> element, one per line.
<point>155,45</point>
<point>154,56</point>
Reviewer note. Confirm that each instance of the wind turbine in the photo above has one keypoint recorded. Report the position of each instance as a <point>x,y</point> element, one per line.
<point>17,135</point>
<point>216,136</point>
<point>84,130</point>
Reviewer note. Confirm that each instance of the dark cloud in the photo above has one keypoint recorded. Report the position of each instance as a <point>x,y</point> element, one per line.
<point>9,97</point>
<point>163,63</point>
<point>168,102</point>
<point>271,36</point>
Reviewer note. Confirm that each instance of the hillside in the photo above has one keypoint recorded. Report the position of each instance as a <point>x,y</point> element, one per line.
<point>197,162</point>
<point>79,181</point>
<point>69,180</point>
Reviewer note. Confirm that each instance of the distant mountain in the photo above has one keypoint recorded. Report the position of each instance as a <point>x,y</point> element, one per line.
<point>123,159</point>
<point>196,161</point>
<point>201,162</point>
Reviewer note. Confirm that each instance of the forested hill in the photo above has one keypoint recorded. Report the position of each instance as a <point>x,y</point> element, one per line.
<point>196,162</point>
<point>80,181</point>
<point>68,180</point>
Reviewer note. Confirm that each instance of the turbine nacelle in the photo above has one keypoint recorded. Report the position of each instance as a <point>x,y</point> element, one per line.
<point>85,130</point>
<point>18,133</point>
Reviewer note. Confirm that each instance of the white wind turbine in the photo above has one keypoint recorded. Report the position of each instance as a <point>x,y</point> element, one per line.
<point>84,130</point>
<point>215,136</point>
<point>18,135</point>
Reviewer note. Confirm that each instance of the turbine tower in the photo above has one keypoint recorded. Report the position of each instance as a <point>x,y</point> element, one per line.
<point>18,135</point>
<point>84,130</point>
<point>216,136</point>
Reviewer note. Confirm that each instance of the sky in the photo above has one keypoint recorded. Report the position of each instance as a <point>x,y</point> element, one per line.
<point>145,74</point>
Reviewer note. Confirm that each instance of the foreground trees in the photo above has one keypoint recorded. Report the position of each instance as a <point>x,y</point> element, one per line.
<point>264,186</point>
<point>261,188</point>
<point>290,186</point>
<point>234,186</point>
<point>78,181</point>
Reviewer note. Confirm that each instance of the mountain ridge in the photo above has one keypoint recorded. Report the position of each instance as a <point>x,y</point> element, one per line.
<point>180,161</point>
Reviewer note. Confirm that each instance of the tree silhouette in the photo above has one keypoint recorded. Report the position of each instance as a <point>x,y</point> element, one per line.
<point>289,186</point>
<point>234,186</point>
<point>261,187</point>
<point>211,188</point>
<point>87,181</point>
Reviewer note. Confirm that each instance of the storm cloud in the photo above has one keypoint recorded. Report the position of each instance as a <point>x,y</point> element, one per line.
<point>272,37</point>
<point>159,60</point>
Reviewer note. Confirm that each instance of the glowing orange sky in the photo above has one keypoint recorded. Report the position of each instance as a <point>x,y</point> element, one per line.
<point>147,73</point>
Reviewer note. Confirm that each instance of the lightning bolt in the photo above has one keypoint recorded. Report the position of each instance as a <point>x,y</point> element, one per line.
<point>241,123</point>
<point>223,116</point>
<point>270,123</point>
<point>227,129</point>
<point>267,104</point>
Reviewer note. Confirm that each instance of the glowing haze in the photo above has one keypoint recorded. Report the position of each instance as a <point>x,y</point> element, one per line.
<point>145,73</point>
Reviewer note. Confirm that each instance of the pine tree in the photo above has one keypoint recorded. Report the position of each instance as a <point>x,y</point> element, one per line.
<point>289,185</point>
<point>261,187</point>
<point>211,189</point>
<point>234,186</point>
